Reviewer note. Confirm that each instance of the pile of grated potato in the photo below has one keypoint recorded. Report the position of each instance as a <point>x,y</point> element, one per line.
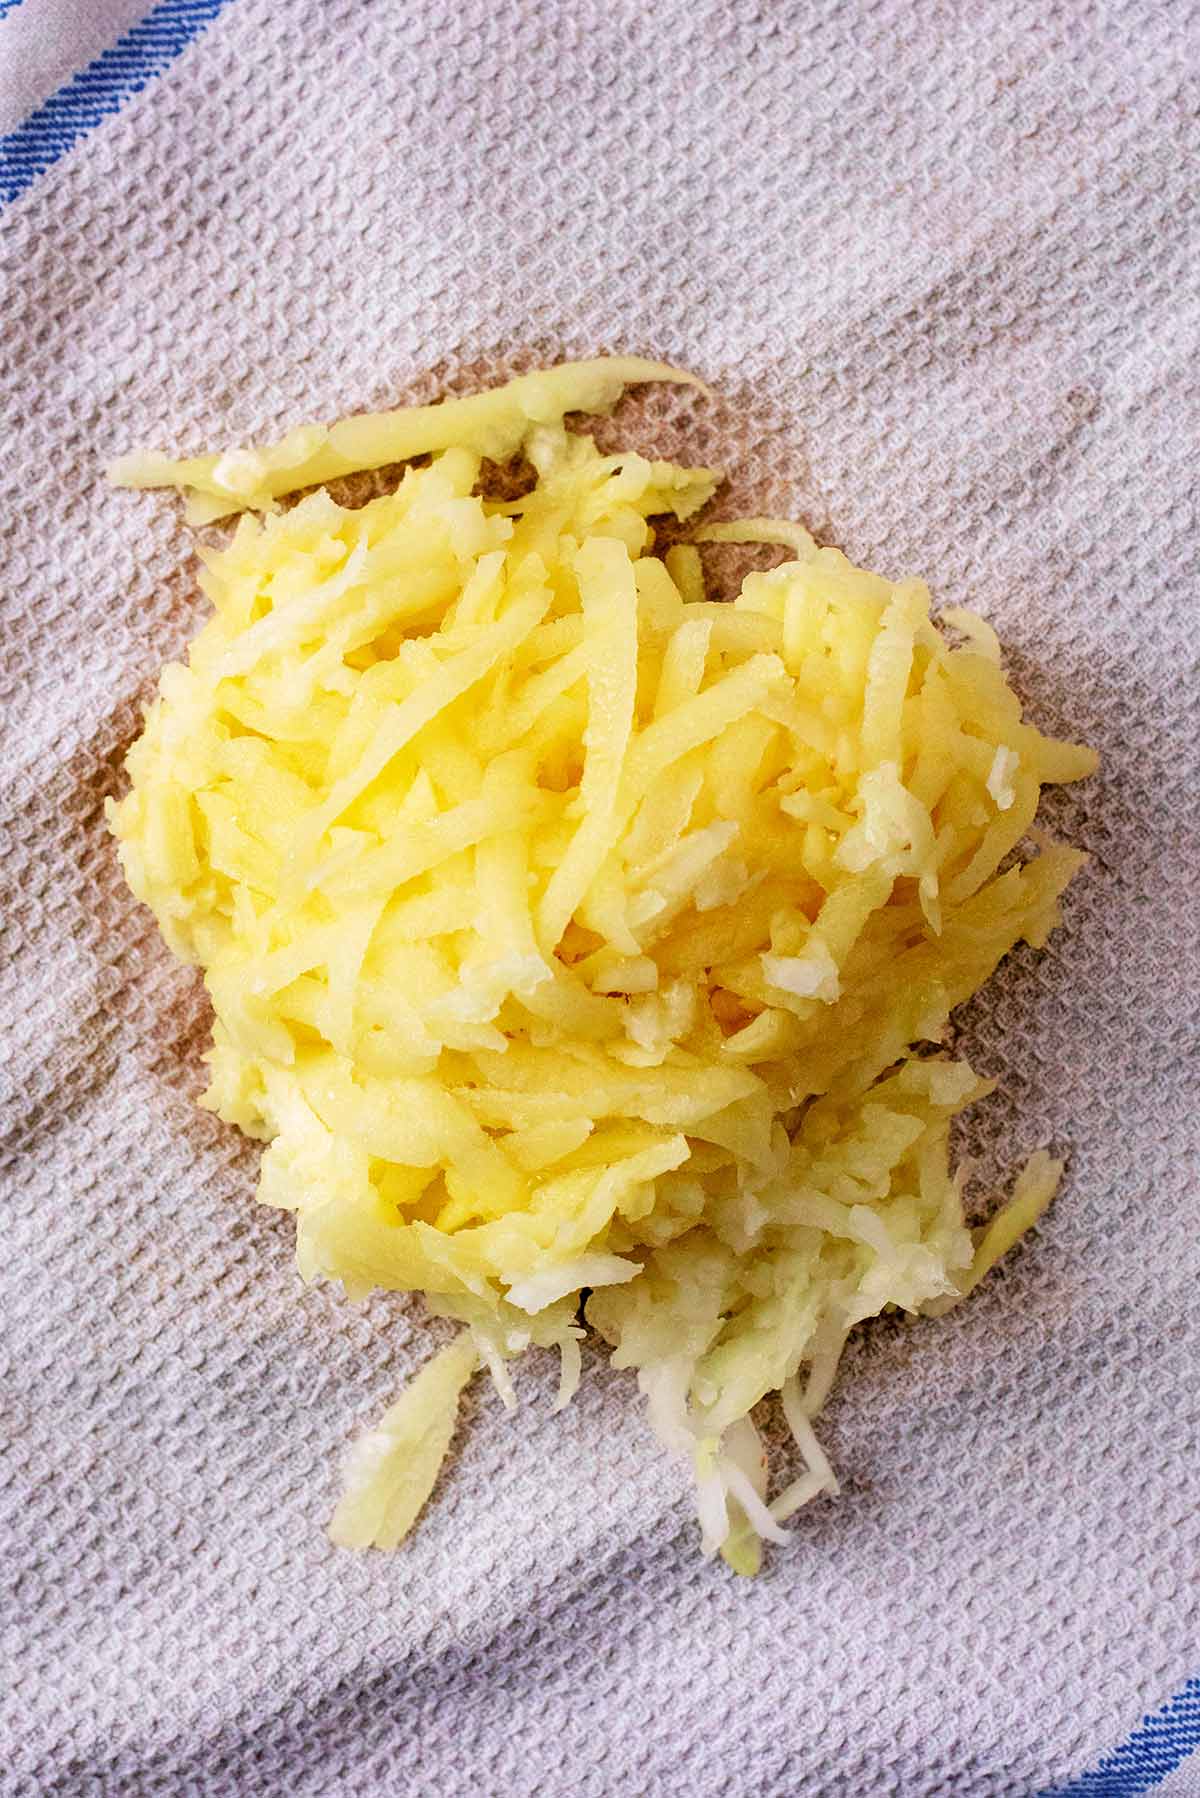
<point>569,933</point>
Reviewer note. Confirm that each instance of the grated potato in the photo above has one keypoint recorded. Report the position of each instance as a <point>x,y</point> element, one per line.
<point>570,933</point>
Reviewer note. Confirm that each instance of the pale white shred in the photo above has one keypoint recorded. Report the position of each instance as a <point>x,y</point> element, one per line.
<point>1005,763</point>
<point>533,1292</point>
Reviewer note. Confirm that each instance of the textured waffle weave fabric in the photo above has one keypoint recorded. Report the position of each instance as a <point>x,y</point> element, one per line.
<point>939,263</point>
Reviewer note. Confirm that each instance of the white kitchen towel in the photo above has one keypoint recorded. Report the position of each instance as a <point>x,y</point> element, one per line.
<point>939,262</point>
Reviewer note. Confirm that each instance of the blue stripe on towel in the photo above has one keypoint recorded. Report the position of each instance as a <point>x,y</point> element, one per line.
<point>1144,1760</point>
<point>102,88</point>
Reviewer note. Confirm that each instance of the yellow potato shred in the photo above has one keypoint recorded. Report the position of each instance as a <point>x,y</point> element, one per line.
<point>579,944</point>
